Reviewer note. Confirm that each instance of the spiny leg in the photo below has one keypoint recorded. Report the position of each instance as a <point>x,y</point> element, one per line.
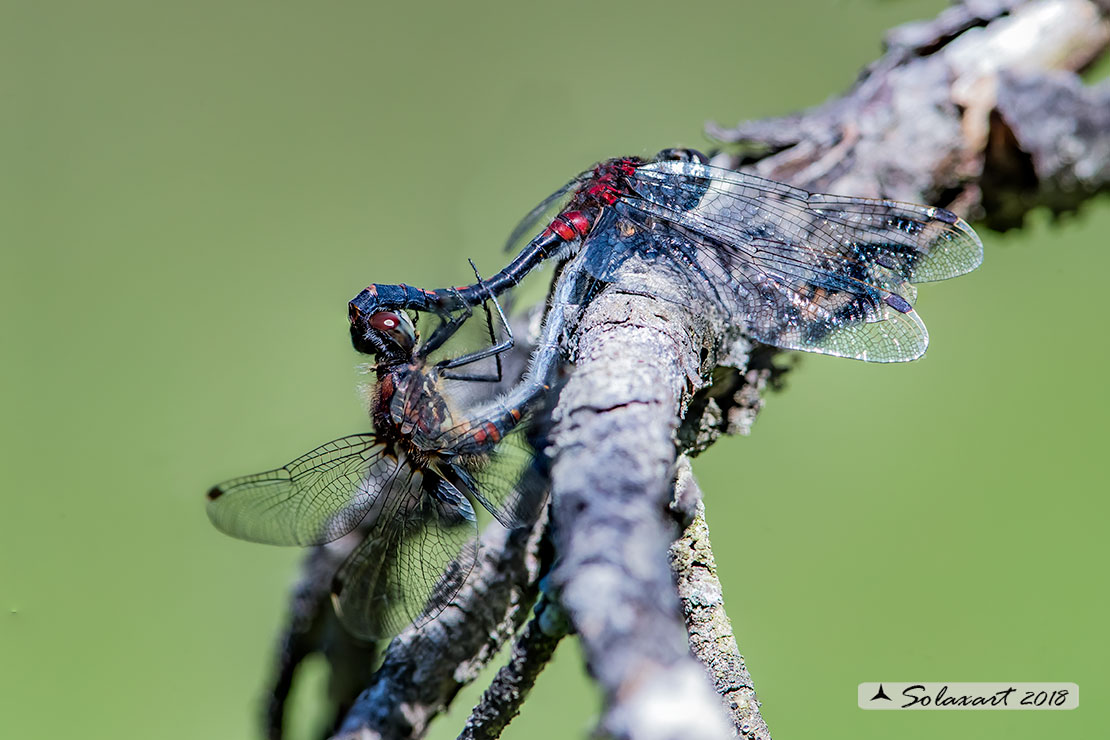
<point>494,350</point>
<point>446,328</point>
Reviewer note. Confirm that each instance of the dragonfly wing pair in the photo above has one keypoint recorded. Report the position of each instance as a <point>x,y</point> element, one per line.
<point>416,525</point>
<point>819,273</point>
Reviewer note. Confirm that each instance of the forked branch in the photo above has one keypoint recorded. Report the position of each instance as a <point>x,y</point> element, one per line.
<point>980,110</point>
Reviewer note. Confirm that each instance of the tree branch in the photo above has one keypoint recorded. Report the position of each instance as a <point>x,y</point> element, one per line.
<point>915,127</point>
<point>613,449</point>
<point>424,669</point>
<point>314,627</point>
<point>979,110</point>
<point>501,702</point>
<point>711,637</point>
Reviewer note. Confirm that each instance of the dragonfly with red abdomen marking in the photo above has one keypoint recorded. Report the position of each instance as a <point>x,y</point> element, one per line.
<point>408,484</point>
<point>793,269</point>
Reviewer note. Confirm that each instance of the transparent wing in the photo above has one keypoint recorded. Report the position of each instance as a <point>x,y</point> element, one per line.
<point>811,272</point>
<point>491,457</point>
<point>415,557</point>
<point>541,215</point>
<point>497,464</point>
<point>853,320</point>
<point>317,498</point>
<point>918,243</point>
<point>776,304</point>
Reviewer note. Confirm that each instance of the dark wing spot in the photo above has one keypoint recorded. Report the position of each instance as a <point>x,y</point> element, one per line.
<point>898,303</point>
<point>214,493</point>
<point>945,215</point>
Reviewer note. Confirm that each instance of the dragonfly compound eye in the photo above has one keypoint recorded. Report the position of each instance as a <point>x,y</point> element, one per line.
<point>395,326</point>
<point>681,155</point>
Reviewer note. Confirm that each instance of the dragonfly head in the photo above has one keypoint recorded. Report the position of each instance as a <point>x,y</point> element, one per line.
<point>388,335</point>
<point>681,155</point>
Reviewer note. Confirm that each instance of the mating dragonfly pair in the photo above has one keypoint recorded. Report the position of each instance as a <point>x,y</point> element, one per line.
<point>792,269</point>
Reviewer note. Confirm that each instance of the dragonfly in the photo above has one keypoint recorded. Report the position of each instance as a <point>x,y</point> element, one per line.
<point>828,274</point>
<point>408,484</point>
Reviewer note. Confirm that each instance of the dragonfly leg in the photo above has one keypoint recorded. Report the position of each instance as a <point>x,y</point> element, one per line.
<point>447,328</point>
<point>493,351</point>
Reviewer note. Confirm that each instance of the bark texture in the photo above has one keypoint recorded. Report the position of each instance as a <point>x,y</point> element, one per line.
<point>711,635</point>
<point>614,451</point>
<point>980,110</point>
<point>424,669</point>
<point>502,700</point>
<point>953,107</point>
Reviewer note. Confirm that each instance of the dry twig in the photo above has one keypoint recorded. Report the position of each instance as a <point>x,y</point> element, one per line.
<point>979,110</point>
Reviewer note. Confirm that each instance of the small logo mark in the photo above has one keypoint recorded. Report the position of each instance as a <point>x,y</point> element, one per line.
<point>880,694</point>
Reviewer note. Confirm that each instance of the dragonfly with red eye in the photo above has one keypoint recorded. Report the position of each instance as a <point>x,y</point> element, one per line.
<point>407,486</point>
<point>793,269</point>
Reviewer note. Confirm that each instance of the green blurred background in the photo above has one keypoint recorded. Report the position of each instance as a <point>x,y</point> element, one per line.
<point>193,191</point>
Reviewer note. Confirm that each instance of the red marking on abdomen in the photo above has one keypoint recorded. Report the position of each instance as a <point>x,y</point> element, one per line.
<point>560,226</point>
<point>606,192</point>
<point>491,431</point>
<point>578,222</point>
<point>570,225</point>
